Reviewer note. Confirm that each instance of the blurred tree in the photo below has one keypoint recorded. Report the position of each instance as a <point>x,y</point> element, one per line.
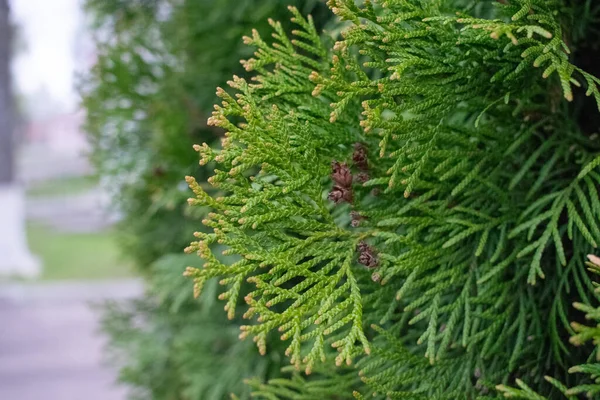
<point>147,100</point>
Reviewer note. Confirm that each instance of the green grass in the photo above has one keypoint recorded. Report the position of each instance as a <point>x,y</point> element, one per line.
<point>77,255</point>
<point>62,186</point>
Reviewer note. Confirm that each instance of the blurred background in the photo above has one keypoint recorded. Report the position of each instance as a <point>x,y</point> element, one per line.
<point>58,250</point>
<point>100,104</point>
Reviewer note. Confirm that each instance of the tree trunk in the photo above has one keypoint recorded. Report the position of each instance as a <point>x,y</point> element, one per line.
<point>6,106</point>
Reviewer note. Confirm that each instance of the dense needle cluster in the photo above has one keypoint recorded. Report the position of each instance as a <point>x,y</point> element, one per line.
<point>465,118</point>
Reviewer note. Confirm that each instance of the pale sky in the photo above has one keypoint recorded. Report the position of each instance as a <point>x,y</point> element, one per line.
<point>49,29</point>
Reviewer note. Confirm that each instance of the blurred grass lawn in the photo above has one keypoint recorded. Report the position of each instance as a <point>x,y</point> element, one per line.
<point>77,255</point>
<point>63,186</point>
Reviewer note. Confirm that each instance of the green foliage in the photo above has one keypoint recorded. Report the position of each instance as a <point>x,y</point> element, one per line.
<point>463,199</point>
<point>582,334</point>
<point>151,339</point>
<point>148,98</point>
<point>336,384</point>
<point>312,280</point>
<point>147,101</point>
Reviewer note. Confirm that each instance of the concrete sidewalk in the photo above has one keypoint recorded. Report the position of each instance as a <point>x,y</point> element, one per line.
<point>50,347</point>
<point>81,213</point>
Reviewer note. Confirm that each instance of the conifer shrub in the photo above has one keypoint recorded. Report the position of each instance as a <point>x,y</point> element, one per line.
<point>147,99</point>
<point>410,209</point>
